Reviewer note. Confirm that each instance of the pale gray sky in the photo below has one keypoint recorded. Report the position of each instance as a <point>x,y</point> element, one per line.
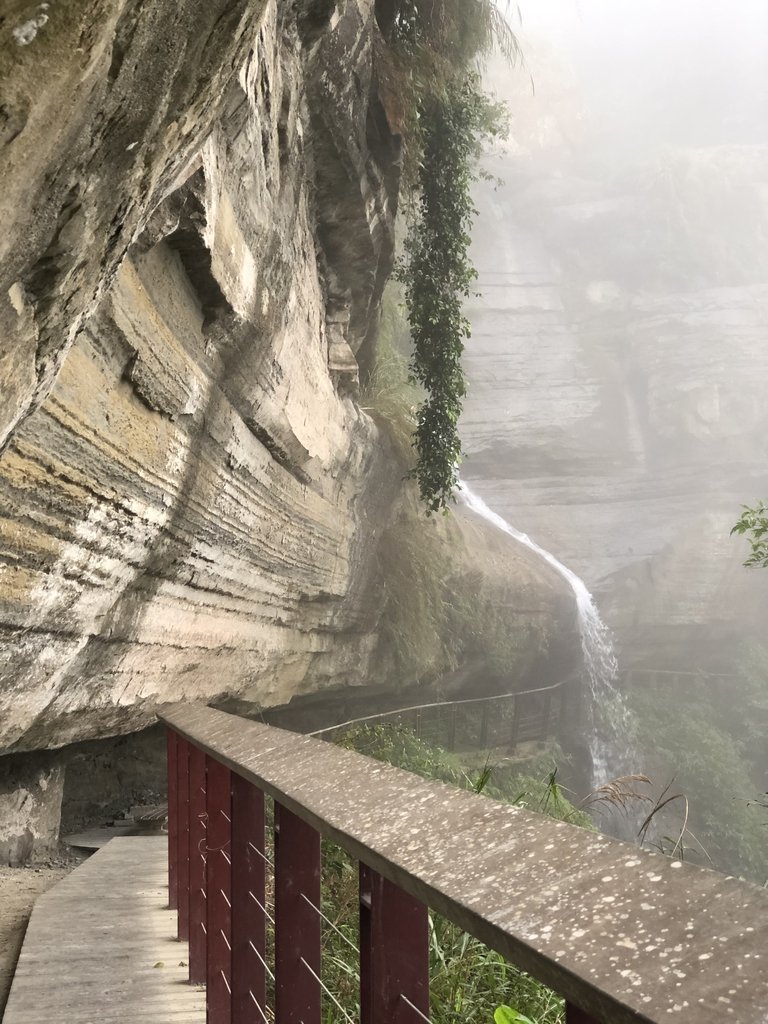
<point>690,71</point>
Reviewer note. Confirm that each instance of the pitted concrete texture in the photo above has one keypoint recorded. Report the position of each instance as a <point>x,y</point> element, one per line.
<point>101,946</point>
<point>624,934</point>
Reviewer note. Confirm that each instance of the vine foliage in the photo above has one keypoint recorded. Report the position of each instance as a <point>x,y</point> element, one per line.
<point>753,523</point>
<point>437,273</point>
<point>433,49</point>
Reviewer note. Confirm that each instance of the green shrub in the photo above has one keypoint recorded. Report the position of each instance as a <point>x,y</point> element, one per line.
<point>713,746</point>
<point>429,63</point>
<point>753,524</point>
<point>437,617</point>
<point>438,275</point>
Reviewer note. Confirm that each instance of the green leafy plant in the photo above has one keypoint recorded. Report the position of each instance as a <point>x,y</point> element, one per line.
<point>506,1015</point>
<point>428,71</point>
<point>436,618</point>
<point>427,46</point>
<point>753,523</point>
<point>484,777</point>
<point>438,274</point>
<point>714,746</point>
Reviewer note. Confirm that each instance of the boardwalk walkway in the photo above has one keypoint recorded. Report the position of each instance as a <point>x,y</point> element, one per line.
<point>101,946</point>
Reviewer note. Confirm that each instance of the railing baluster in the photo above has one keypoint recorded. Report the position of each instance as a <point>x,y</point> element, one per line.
<point>394,953</point>
<point>515,725</point>
<point>249,982</point>
<point>173,821</point>
<point>182,836</point>
<point>394,937</point>
<point>218,888</point>
<point>484,727</point>
<point>198,819</point>
<point>297,925</point>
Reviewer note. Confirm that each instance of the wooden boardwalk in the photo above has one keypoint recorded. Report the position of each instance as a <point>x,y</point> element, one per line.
<point>101,946</point>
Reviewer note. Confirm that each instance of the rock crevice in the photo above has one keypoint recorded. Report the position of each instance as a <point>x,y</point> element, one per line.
<point>198,210</point>
<point>183,484</point>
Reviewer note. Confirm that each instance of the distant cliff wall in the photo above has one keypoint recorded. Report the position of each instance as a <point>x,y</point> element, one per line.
<point>618,405</point>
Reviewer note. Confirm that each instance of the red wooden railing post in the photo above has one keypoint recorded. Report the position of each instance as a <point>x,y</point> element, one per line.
<point>218,886</point>
<point>198,819</point>
<point>173,822</point>
<point>394,953</point>
<point>297,920</point>
<point>182,837</point>
<point>249,948</point>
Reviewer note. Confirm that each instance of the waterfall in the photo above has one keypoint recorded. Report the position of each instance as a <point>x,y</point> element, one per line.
<point>608,716</point>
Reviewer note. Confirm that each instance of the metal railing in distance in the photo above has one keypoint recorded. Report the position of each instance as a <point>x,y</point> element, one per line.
<point>500,719</point>
<point>678,680</point>
<point>622,934</point>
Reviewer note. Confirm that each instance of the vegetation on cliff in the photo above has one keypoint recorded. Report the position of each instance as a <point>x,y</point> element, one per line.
<point>441,614</point>
<point>434,51</point>
<point>753,523</point>
<point>443,608</point>
<point>438,275</point>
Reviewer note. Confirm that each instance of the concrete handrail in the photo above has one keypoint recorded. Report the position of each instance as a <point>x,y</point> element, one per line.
<point>623,934</point>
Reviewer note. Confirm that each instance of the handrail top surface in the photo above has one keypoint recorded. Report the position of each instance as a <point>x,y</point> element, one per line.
<point>625,934</point>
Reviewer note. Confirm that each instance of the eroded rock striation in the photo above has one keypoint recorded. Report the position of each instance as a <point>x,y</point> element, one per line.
<point>198,208</point>
<point>186,480</point>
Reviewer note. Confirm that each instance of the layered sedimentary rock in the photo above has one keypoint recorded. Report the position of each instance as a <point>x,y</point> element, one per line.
<point>31,793</point>
<point>186,484</point>
<point>198,205</point>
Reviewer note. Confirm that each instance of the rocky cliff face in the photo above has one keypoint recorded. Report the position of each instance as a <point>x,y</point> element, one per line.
<point>618,363</point>
<point>198,205</point>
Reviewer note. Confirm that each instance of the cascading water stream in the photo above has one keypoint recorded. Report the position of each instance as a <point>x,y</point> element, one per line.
<point>608,717</point>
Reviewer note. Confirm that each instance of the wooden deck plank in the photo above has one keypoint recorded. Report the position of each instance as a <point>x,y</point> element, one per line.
<point>94,943</point>
<point>95,838</point>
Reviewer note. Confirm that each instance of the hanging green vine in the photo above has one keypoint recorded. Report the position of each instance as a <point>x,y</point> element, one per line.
<point>436,43</point>
<point>438,275</point>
